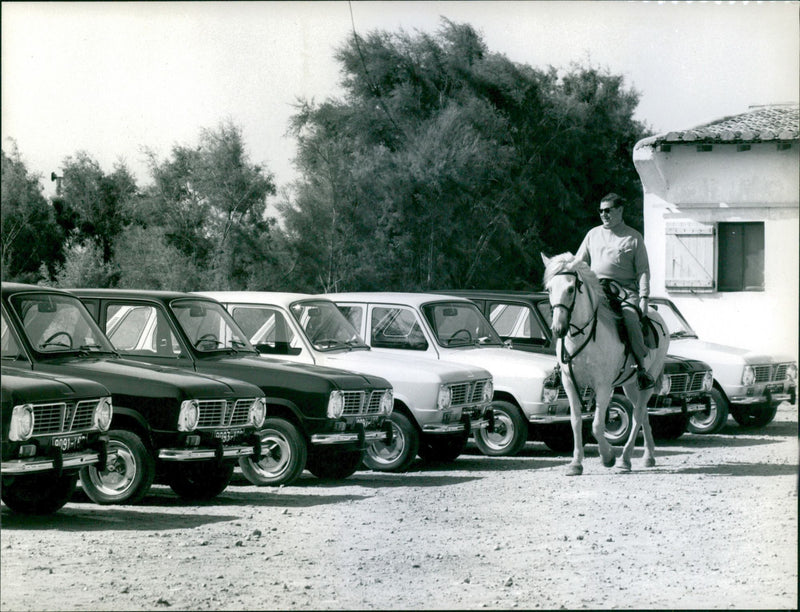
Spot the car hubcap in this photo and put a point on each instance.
(275, 455)
(705, 418)
(119, 474)
(617, 422)
(503, 432)
(384, 453)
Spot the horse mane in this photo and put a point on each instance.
(566, 262)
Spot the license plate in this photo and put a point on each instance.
(226, 435)
(696, 407)
(778, 388)
(68, 443)
(365, 421)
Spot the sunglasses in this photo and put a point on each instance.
(606, 211)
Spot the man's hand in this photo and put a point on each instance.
(644, 303)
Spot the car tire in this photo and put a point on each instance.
(558, 437)
(754, 415)
(712, 420)
(670, 426)
(334, 465)
(510, 432)
(38, 493)
(283, 455)
(199, 480)
(443, 449)
(397, 456)
(127, 477)
(619, 420)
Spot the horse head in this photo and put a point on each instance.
(565, 280)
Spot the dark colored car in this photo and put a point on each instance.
(184, 429)
(52, 427)
(320, 418)
(682, 394)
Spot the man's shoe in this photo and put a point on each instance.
(645, 380)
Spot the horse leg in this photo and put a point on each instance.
(575, 468)
(649, 442)
(637, 399)
(603, 397)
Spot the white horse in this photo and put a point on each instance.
(591, 353)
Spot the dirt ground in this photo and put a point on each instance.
(713, 525)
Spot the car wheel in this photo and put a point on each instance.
(669, 427)
(199, 480)
(443, 448)
(283, 455)
(509, 435)
(38, 493)
(619, 420)
(558, 437)
(400, 453)
(712, 420)
(334, 465)
(127, 476)
(754, 415)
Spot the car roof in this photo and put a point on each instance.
(151, 294)
(496, 293)
(389, 297)
(279, 298)
(19, 287)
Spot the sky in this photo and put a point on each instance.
(115, 78)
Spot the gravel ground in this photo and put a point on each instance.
(713, 525)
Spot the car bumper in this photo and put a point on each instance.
(679, 405)
(559, 413)
(466, 424)
(15, 467)
(200, 454)
(773, 392)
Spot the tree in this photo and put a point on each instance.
(211, 203)
(30, 236)
(446, 165)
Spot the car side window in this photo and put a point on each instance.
(141, 330)
(397, 328)
(267, 329)
(10, 347)
(354, 314)
(518, 322)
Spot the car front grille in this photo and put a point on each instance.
(686, 383)
(587, 393)
(357, 403)
(770, 372)
(63, 417)
(224, 413)
(466, 393)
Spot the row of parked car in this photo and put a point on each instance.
(123, 388)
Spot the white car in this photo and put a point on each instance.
(527, 404)
(437, 404)
(747, 384)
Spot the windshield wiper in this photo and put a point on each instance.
(683, 334)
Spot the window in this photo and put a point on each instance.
(396, 328)
(267, 329)
(741, 257)
(689, 257)
(517, 322)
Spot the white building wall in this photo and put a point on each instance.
(726, 185)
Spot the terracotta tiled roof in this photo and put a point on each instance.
(777, 122)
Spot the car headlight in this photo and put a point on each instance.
(21, 423)
(189, 415)
(258, 412)
(387, 402)
(791, 372)
(708, 381)
(663, 385)
(445, 397)
(748, 376)
(103, 413)
(488, 391)
(335, 405)
(549, 394)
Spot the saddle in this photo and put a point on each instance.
(619, 297)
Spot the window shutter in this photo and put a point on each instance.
(689, 257)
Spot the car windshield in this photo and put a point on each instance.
(676, 324)
(460, 324)
(56, 323)
(325, 326)
(209, 327)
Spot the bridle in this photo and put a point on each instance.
(575, 330)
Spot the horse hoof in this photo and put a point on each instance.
(610, 461)
(649, 462)
(625, 466)
(574, 469)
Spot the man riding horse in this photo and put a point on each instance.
(617, 255)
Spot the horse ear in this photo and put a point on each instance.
(544, 260)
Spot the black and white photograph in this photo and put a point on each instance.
(415, 305)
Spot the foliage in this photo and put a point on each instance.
(446, 165)
(30, 235)
(84, 266)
